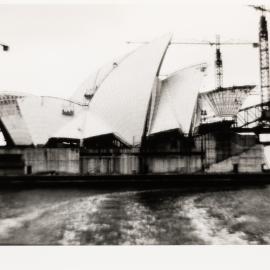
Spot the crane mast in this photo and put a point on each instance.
(264, 64)
(218, 64)
(218, 54)
(264, 60)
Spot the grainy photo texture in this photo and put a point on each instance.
(133, 124)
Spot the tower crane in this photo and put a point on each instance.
(264, 63)
(218, 58)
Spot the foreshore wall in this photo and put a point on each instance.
(129, 163)
(210, 154)
(39, 160)
(70, 161)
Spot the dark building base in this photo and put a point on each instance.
(137, 181)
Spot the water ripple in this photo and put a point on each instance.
(135, 218)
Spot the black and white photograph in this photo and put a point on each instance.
(134, 124)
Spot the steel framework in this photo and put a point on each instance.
(264, 61)
(264, 65)
(251, 119)
(218, 64)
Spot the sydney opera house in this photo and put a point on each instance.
(127, 119)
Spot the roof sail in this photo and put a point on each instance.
(13, 125)
(177, 100)
(42, 116)
(85, 125)
(90, 85)
(123, 98)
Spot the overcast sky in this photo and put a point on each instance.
(53, 48)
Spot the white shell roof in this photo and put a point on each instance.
(85, 125)
(177, 100)
(164, 118)
(120, 105)
(43, 116)
(16, 128)
(123, 98)
(33, 120)
(92, 82)
(72, 129)
(13, 93)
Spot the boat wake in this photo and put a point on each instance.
(137, 218)
(209, 229)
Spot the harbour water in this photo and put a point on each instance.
(145, 217)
